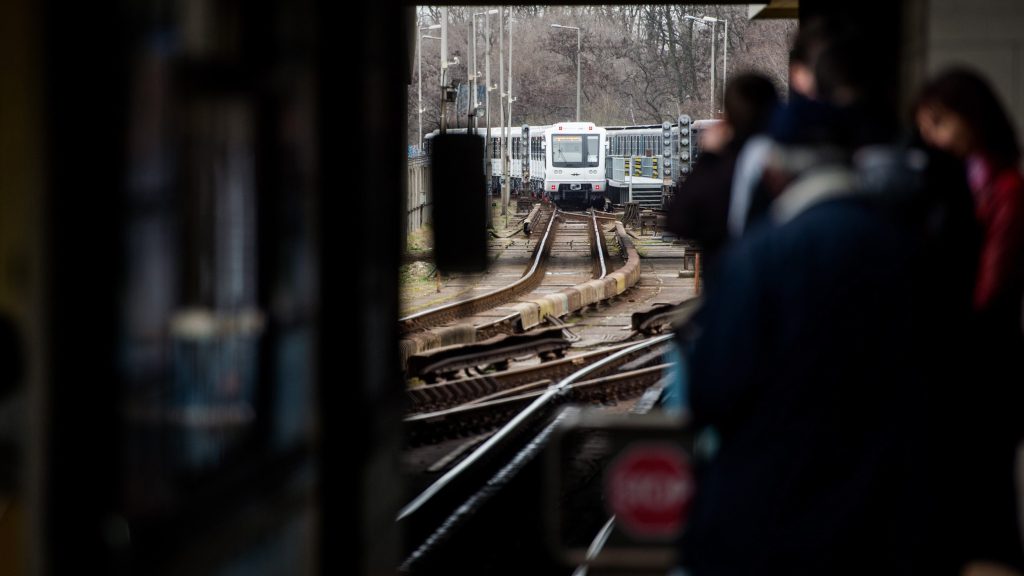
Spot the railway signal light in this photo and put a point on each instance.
(666, 147)
(684, 145)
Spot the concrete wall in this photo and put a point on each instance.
(987, 35)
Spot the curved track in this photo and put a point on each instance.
(460, 309)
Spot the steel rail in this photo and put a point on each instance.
(518, 420)
(437, 314)
(446, 394)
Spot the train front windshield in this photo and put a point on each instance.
(575, 151)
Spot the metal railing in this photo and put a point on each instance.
(622, 167)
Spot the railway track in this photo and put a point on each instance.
(491, 411)
(455, 310)
(522, 421)
(565, 236)
(559, 288)
(450, 362)
(461, 408)
(434, 397)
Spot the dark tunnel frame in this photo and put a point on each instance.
(85, 71)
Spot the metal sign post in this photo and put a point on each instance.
(629, 168)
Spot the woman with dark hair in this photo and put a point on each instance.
(958, 112)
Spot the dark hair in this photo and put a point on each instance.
(968, 95)
(750, 100)
(843, 71)
(813, 38)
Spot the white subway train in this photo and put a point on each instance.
(570, 162)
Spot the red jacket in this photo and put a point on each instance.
(999, 207)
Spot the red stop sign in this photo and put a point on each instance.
(649, 487)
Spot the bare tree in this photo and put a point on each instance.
(641, 64)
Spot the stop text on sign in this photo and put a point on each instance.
(649, 487)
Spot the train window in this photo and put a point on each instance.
(567, 150)
(593, 150)
(575, 150)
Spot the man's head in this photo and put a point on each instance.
(811, 40)
(750, 100)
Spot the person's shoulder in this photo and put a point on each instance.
(858, 223)
(838, 215)
(1009, 181)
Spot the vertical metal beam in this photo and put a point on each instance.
(444, 68)
(472, 78)
(501, 105)
(725, 62)
(713, 87)
(360, 493)
(419, 76)
(85, 46)
(578, 77)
